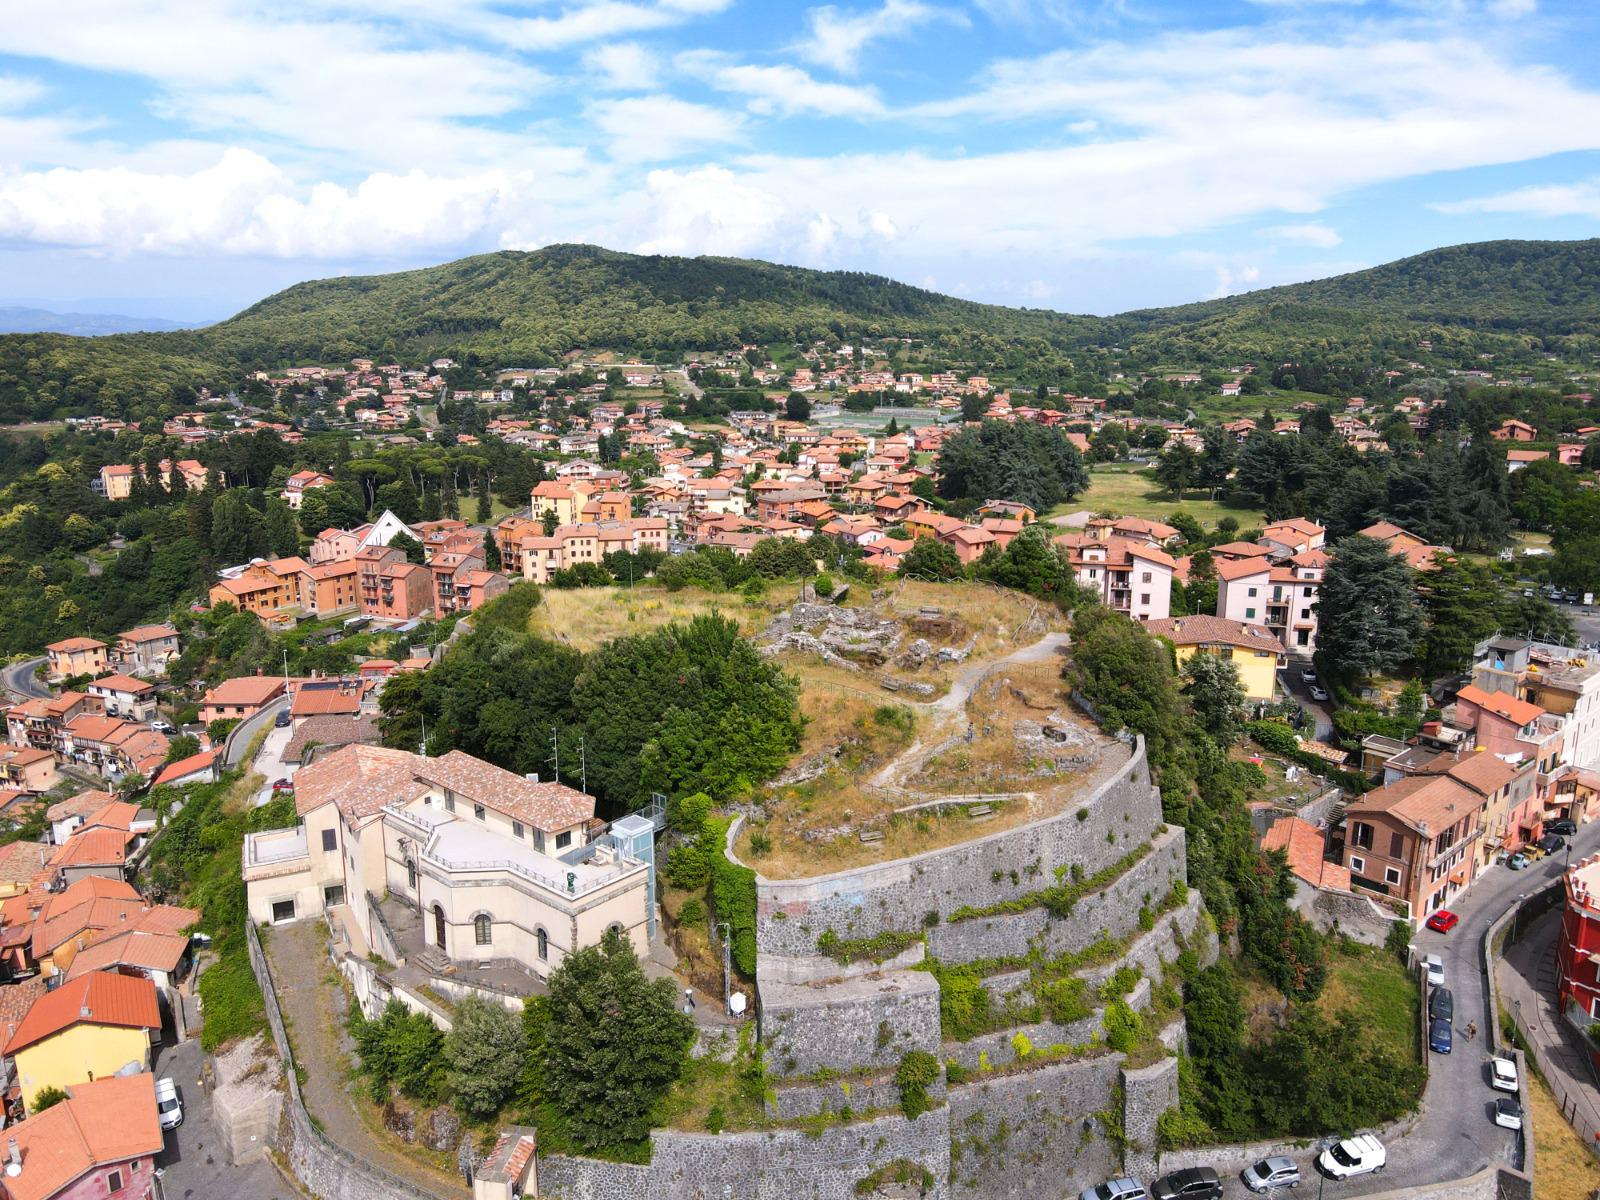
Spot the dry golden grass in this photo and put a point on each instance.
(1564, 1168)
(585, 618)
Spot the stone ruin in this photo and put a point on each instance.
(846, 637)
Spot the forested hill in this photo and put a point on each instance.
(535, 306)
(1538, 287)
(531, 308)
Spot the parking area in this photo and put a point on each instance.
(194, 1165)
(269, 763)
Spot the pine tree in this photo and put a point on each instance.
(283, 536)
(484, 511)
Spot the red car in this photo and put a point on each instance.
(1443, 921)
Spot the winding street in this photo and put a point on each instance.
(18, 680)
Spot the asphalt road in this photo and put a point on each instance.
(194, 1165)
(245, 731)
(1320, 711)
(19, 681)
(1455, 1136)
(269, 763)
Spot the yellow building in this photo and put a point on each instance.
(1254, 649)
(89, 1028)
(77, 656)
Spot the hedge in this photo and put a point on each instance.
(733, 897)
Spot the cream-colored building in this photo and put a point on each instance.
(487, 866)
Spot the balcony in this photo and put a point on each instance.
(275, 852)
(1465, 839)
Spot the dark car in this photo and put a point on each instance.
(1439, 1036)
(1562, 826)
(1441, 1005)
(281, 721)
(1550, 843)
(1191, 1183)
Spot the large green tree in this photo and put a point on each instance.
(483, 1055)
(612, 1043)
(1368, 616)
(1124, 674)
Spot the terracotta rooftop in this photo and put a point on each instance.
(1501, 704)
(99, 999)
(21, 861)
(1202, 630)
(101, 1123)
(361, 779)
(67, 645)
(330, 732)
(138, 948)
(186, 766)
(1304, 845)
(247, 689)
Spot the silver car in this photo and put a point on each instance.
(1116, 1189)
(1270, 1174)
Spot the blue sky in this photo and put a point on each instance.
(1085, 155)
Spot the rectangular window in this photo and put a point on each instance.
(282, 910)
(563, 840)
(113, 1182)
(1144, 597)
(1249, 614)
(538, 840)
(477, 811)
(1146, 578)
(1361, 835)
(330, 840)
(1391, 875)
(1397, 845)
(1357, 865)
(516, 829)
(449, 802)
(1251, 592)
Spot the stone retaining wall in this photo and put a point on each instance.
(791, 914)
(1033, 1134)
(849, 1025)
(1146, 1094)
(1114, 910)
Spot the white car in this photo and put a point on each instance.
(1503, 1074)
(1507, 1113)
(168, 1108)
(1309, 675)
(1359, 1155)
(1435, 966)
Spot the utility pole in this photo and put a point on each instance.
(727, 964)
(583, 767)
(423, 749)
(555, 752)
(286, 667)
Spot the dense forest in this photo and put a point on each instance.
(518, 308)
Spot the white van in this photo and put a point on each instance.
(168, 1107)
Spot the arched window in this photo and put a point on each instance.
(483, 928)
(411, 874)
(438, 926)
(542, 939)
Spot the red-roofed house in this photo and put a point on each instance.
(76, 656)
(86, 1029)
(100, 1143)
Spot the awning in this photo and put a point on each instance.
(1459, 876)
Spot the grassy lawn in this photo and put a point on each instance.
(1131, 492)
(588, 617)
(1372, 984)
(1566, 1169)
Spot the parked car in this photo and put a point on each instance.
(282, 720)
(1439, 1036)
(161, 726)
(1116, 1189)
(1318, 692)
(1443, 921)
(1507, 1113)
(283, 785)
(1435, 966)
(169, 1109)
(1503, 1074)
(1359, 1155)
(1441, 1005)
(1551, 843)
(1563, 826)
(1518, 861)
(1191, 1183)
(1270, 1174)
(1309, 675)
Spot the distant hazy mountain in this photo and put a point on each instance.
(39, 320)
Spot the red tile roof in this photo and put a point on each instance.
(1501, 704)
(101, 1123)
(126, 1001)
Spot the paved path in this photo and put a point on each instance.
(314, 1011)
(1527, 979)
(19, 681)
(194, 1164)
(269, 762)
(240, 736)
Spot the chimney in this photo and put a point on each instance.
(13, 1158)
(84, 1012)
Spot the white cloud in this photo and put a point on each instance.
(782, 89)
(624, 66)
(658, 127)
(1311, 233)
(1230, 280)
(1580, 199)
(18, 91)
(837, 37)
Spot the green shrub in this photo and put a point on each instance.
(693, 912)
(733, 897)
(1124, 1027)
(918, 1071)
(878, 948)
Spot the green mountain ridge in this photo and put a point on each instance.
(532, 308)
